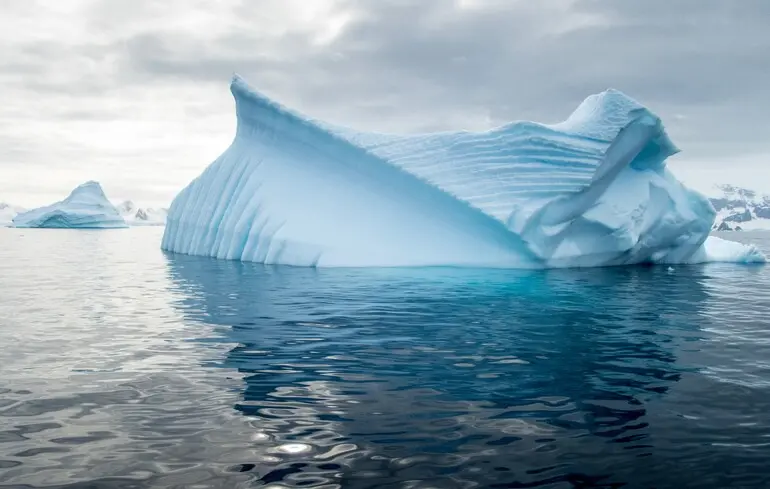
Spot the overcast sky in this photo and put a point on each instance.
(134, 93)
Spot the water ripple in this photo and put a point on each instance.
(125, 368)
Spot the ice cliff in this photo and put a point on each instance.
(86, 207)
(590, 191)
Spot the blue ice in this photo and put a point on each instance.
(593, 190)
(85, 207)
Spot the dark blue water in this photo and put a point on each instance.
(122, 367)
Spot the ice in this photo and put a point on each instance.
(721, 250)
(86, 207)
(7, 213)
(141, 216)
(593, 190)
(739, 209)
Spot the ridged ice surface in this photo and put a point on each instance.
(590, 191)
(85, 207)
(498, 170)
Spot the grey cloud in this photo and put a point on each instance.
(152, 56)
(416, 64)
(431, 58)
(54, 67)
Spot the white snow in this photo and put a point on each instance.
(740, 207)
(756, 224)
(85, 207)
(721, 250)
(7, 213)
(141, 216)
(591, 191)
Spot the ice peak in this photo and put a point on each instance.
(245, 93)
(253, 108)
(88, 192)
(93, 184)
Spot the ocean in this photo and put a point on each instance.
(125, 367)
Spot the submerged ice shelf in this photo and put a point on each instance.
(593, 190)
(85, 207)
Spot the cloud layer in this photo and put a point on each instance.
(134, 92)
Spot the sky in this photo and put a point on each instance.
(134, 93)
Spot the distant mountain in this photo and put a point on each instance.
(142, 216)
(8, 212)
(739, 209)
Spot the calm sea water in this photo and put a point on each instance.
(122, 367)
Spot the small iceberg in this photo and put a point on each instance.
(85, 208)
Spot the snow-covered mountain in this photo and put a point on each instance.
(8, 212)
(739, 209)
(142, 216)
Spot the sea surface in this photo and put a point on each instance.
(124, 367)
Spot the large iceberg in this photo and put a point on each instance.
(86, 207)
(593, 190)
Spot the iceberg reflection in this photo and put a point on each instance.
(456, 367)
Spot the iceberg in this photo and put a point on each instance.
(593, 190)
(85, 207)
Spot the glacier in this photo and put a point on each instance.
(593, 190)
(86, 207)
